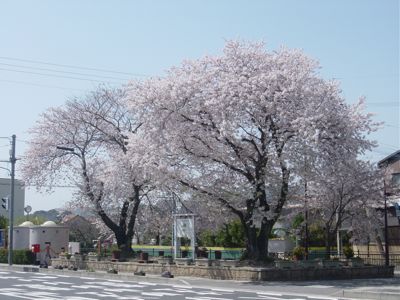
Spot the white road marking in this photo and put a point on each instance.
(158, 294)
(25, 280)
(44, 277)
(185, 282)
(111, 280)
(261, 297)
(269, 294)
(43, 287)
(182, 287)
(206, 298)
(147, 283)
(79, 298)
(57, 282)
(223, 290)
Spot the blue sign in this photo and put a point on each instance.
(397, 208)
(1, 238)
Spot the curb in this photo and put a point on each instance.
(340, 295)
(371, 295)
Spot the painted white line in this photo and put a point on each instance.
(182, 287)
(147, 283)
(63, 276)
(111, 280)
(207, 298)
(321, 297)
(222, 290)
(269, 294)
(185, 282)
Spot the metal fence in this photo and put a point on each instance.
(182, 252)
(368, 258)
(379, 260)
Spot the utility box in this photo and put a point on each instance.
(74, 247)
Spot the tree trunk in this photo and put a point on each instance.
(257, 242)
(124, 243)
(327, 243)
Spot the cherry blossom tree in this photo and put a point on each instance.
(93, 135)
(345, 191)
(233, 127)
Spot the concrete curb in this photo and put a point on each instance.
(340, 294)
(371, 295)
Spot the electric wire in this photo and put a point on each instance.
(60, 76)
(65, 72)
(71, 66)
(42, 85)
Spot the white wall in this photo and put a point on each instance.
(19, 196)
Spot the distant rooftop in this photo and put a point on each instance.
(390, 159)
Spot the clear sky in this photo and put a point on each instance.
(355, 41)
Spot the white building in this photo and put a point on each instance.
(19, 196)
(50, 238)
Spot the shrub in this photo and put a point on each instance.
(20, 257)
(348, 252)
(299, 252)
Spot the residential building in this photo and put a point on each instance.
(19, 196)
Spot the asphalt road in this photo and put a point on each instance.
(50, 286)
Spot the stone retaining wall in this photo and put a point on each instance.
(237, 273)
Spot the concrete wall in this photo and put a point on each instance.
(234, 273)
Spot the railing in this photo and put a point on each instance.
(368, 258)
(379, 260)
(168, 251)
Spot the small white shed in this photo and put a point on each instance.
(21, 235)
(50, 233)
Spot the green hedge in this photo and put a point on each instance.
(20, 257)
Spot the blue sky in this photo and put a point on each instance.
(355, 41)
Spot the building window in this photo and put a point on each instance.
(396, 179)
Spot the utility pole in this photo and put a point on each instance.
(386, 226)
(11, 210)
(306, 220)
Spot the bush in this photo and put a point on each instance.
(348, 252)
(20, 257)
(299, 252)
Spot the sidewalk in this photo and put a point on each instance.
(380, 289)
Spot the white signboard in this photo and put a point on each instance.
(184, 228)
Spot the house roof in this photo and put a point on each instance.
(390, 158)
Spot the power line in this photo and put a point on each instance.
(71, 66)
(59, 76)
(65, 72)
(40, 85)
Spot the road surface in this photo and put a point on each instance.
(49, 286)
